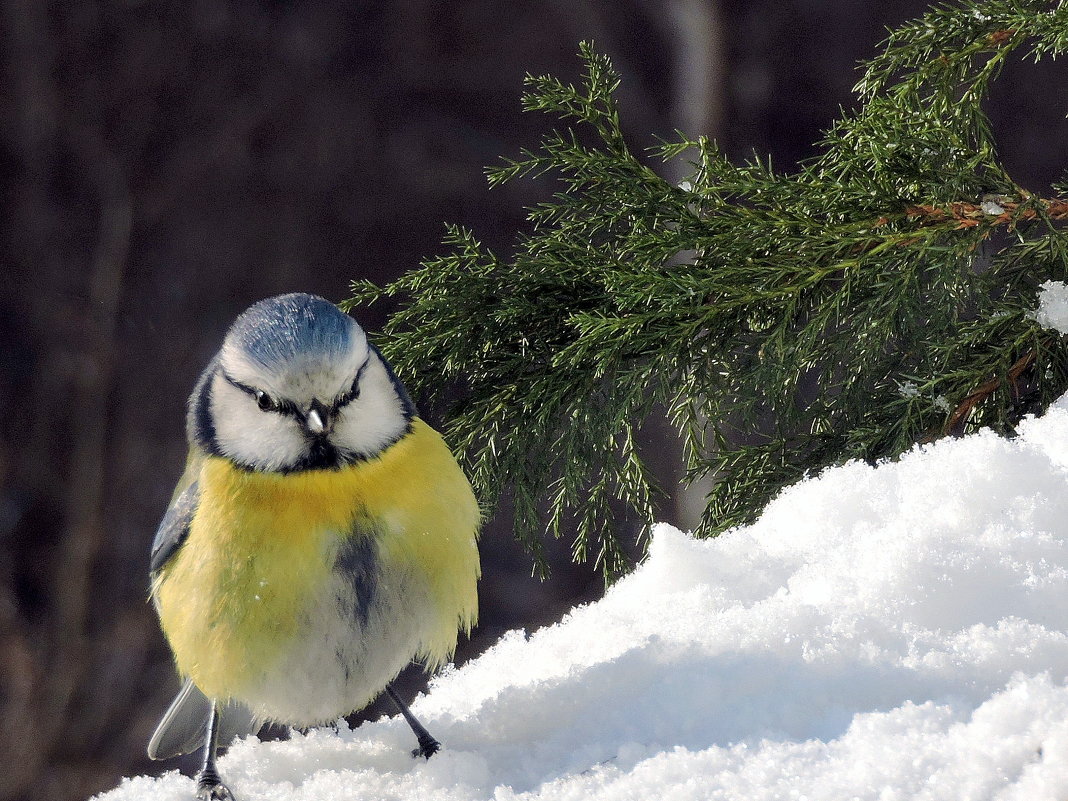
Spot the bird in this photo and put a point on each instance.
(321, 538)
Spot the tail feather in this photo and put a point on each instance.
(184, 725)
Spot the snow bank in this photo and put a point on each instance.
(1052, 309)
(890, 633)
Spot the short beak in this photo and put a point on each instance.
(315, 422)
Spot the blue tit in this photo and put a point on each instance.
(321, 538)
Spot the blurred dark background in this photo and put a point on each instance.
(164, 164)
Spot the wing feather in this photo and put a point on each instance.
(184, 725)
(174, 527)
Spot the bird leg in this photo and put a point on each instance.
(209, 785)
(428, 746)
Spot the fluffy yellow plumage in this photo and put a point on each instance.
(260, 544)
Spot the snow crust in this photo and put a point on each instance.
(898, 632)
(1052, 309)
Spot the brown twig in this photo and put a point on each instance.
(969, 215)
(985, 390)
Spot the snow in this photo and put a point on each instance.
(908, 389)
(896, 632)
(1052, 309)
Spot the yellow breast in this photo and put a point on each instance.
(261, 544)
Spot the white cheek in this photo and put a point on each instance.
(245, 433)
(375, 419)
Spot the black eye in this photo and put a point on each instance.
(349, 396)
(265, 401)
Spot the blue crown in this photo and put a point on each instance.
(279, 329)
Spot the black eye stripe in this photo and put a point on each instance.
(346, 397)
(354, 390)
(272, 404)
(234, 382)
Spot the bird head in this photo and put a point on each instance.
(297, 386)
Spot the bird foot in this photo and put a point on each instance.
(428, 746)
(211, 788)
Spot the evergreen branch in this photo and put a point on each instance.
(786, 321)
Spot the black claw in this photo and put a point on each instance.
(211, 788)
(219, 792)
(427, 748)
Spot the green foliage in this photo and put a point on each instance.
(877, 297)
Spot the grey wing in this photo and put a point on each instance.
(184, 725)
(174, 527)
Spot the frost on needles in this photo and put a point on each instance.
(879, 296)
